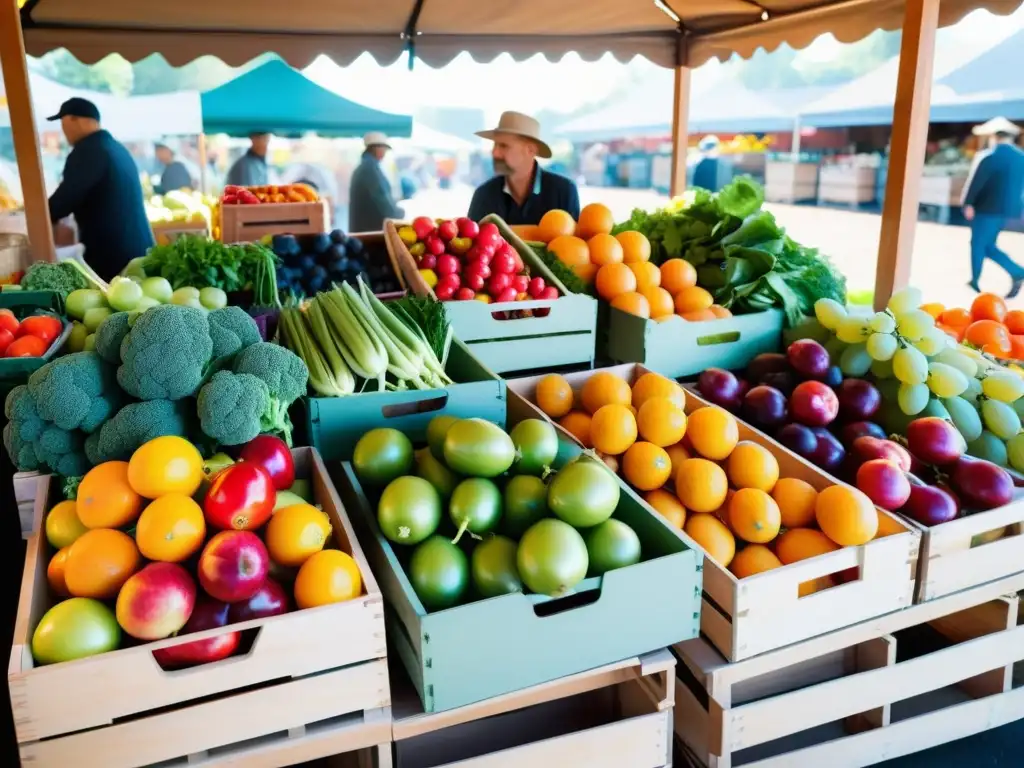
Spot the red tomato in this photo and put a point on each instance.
(241, 497)
(273, 454)
(8, 321)
(26, 346)
(6, 337)
(45, 327)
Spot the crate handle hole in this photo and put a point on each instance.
(246, 642)
(828, 581)
(991, 537)
(505, 315)
(728, 337)
(567, 603)
(419, 406)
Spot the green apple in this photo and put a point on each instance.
(186, 297)
(90, 343)
(81, 301)
(95, 316)
(213, 298)
(76, 339)
(157, 288)
(124, 294)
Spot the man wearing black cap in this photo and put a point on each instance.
(101, 188)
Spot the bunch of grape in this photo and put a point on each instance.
(927, 373)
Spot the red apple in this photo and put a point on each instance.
(423, 226)
(270, 600)
(208, 614)
(867, 448)
(233, 566)
(447, 230)
(157, 601)
(241, 496)
(467, 228)
(274, 455)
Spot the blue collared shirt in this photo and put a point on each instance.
(550, 191)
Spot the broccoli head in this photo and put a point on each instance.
(232, 407)
(76, 391)
(92, 449)
(63, 451)
(136, 424)
(231, 330)
(21, 451)
(109, 336)
(165, 354)
(285, 375)
(20, 410)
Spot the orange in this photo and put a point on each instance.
(168, 464)
(754, 516)
(985, 332)
(659, 300)
(1014, 321)
(802, 543)
(655, 385)
(678, 454)
(106, 498)
(1017, 346)
(613, 279)
(555, 223)
(577, 424)
(171, 529)
(753, 559)
(934, 309)
(100, 562)
(677, 274)
(956, 333)
(329, 576)
(635, 246)
(571, 251)
(554, 396)
(646, 466)
(646, 274)
(613, 429)
(722, 513)
(585, 272)
(668, 506)
(796, 499)
(595, 219)
(815, 585)
(988, 306)
(660, 421)
(699, 316)
(752, 466)
(693, 299)
(713, 432)
(296, 533)
(719, 311)
(55, 573)
(63, 525)
(701, 485)
(888, 526)
(632, 303)
(956, 318)
(604, 388)
(713, 537)
(604, 249)
(846, 515)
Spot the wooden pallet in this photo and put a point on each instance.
(121, 710)
(616, 716)
(852, 698)
(246, 223)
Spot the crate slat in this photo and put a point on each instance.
(246, 223)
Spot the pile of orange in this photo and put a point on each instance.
(989, 325)
(726, 494)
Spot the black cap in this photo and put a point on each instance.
(77, 107)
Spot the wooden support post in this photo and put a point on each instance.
(680, 134)
(906, 149)
(202, 163)
(23, 129)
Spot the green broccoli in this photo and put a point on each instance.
(232, 407)
(138, 423)
(231, 330)
(63, 451)
(21, 451)
(77, 391)
(61, 277)
(109, 336)
(165, 354)
(286, 377)
(92, 449)
(20, 410)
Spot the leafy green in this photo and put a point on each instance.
(427, 314)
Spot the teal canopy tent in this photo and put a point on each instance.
(278, 99)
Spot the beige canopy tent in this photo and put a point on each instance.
(681, 34)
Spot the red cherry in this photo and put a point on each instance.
(520, 283)
(536, 287)
(499, 282)
(464, 294)
(509, 294)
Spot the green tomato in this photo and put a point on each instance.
(478, 448)
(611, 545)
(146, 302)
(584, 493)
(186, 297)
(475, 506)
(536, 445)
(81, 301)
(437, 430)
(494, 567)
(157, 288)
(90, 343)
(94, 317)
(74, 629)
(552, 558)
(526, 502)
(381, 455)
(124, 294)
(436, 473)
(409, 510)
(76, 339)
(439, 572)
(213, 298)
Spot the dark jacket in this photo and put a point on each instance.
(996, 182)
(369, 197)
(550, 191)
(174, 176)
(101, 188)
(250, 170)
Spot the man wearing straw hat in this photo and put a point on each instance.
(521, 192)
(992, 195)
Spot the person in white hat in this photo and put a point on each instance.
(369, 199)
(992, 195)
(521, 192)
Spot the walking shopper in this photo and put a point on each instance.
(369, 199)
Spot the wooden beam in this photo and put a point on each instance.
(906, 149)
(680, 132)
(23, 129)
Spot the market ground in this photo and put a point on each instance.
(941, 265)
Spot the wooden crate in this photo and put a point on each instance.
(787, 182)
(165, 232)
(862, 694)
(746, 617)
(616, 716)
(941, 190)
(121, 710)
(846, 184)
(246, 223)
(30, 494)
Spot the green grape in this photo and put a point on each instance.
(953, 356)
(889, 388)
(1000, 419)
(915, 324)
(945, 380)
(855, 361)
(882, 346)
(965, 417)
(852, 330)
(913, 398)
(905, 300)
(882, 322)
(936, 409)
(829, 313)
(882, 369)
(1015, 452)
(910, 366)
(1018, 406)
(835, 348)
(1007, 387)
(933, 342)
(973, 392)
(990, 448)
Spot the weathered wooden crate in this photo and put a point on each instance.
(302, 675)
(245, 223)
(846, 184)
(615, 716)
(941, 189)
(746, 617)
(897, 684)
(165, 232)
(30, 494)
(787, 182)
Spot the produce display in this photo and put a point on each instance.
(181, 207)
(726, 494)
(31, 336)
(268, 193)
(153, 547)
(311, 263)
(62, 277)
(478, 511)
(989, 325)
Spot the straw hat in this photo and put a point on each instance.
(996, 125)
(375, 139)
(518, 124)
